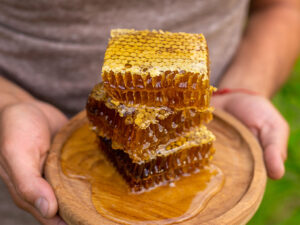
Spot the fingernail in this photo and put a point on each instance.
(42, 205)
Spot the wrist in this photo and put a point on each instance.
(223, 97)
(225, 91)
(259, 86)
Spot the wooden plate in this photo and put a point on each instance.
(238, 155)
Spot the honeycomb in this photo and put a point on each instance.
(141, 143)
(157, 68)
(187, 159)
(149, 112)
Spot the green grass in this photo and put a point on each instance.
(281, 202)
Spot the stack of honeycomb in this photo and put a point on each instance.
(150, 110)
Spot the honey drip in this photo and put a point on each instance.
(112, 198)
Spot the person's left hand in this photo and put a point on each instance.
(265, 122)
(26, 129)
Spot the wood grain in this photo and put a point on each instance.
(238, 155)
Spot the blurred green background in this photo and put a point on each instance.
(281, 202)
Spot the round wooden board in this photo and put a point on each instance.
(238, 154)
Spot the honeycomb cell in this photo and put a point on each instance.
(141, 133)
(187, 159)
(157, 68)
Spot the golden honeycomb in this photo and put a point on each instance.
(186, 158)
(157, 68)
(150, 110)
(128, 131)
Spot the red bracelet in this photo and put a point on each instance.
(236, 90)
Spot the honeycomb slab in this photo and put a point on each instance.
(140, 137)
(187, 156)
(157, 68)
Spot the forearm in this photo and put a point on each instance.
(268, 49)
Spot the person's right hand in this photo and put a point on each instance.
(25, 136)
(264, 121)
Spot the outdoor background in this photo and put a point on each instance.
(281, 202)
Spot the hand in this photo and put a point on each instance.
(265, 122)
(25, 137)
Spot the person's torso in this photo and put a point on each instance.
(54, 49)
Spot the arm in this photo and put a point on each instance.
(26, 127)
(262, 63)
(269, 47)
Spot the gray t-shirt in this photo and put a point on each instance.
(54, 49)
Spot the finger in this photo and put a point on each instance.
(56, 220)
(274, 138)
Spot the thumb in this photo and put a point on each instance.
(32, 188)
(274, 138)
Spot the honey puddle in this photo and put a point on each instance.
(112, 198)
